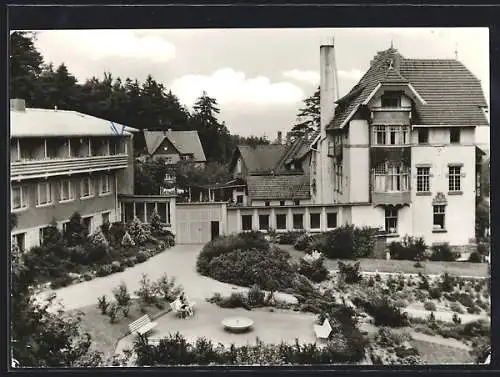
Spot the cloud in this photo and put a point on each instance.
(352, 74)
(230, 87)
(99, 44)
(308, 76)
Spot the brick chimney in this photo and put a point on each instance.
(17, 104)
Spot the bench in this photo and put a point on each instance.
(142, 325)
(177, 308)
(323, 331)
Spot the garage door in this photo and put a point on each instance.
(194, 225)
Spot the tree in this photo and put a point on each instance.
(190, 175)
(76, 232)
(41, 334)
(214, 136)
(309, 116)
(25, 67)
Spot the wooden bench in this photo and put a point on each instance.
(177, 308)
(323, 331)
(142, 325)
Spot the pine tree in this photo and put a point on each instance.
(308, 116)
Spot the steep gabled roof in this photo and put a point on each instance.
(452, 94)
(260, 159)
(278, 187)
(296, 151)
(184, 141)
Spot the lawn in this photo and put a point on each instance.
(404, 266)
(432, 353)
(105, 334)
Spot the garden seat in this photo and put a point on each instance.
(177, 308)
(323, 331)
(142, 325)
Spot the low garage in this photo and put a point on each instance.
(199, 222)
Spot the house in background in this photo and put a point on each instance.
(175, 146)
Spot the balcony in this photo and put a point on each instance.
(21, 170)
(391, 198)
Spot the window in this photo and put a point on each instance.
(337, 169)
(86, 190)
(454, 135)
(246, 222)
(19, 240)
(282, 203)
(331, 220)
(104, 185)
(296, 202)
(439, 214)
(393, 135)
(66, 192)
(391, 220)
(266, 203)
(105, 217)
(391, 99)
(239, 199)
(423, 179)
(298, 221)
(390, 176)
(65, 227)
(44, 193)
(43, 233)
(454, 175)
(423, 136)
(315, 221)
(379, 135)
(281, 221)
(87, 222)
(263, 222)
(18, 199)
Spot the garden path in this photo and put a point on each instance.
(178, 262)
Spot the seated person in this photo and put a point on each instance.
(184, 303)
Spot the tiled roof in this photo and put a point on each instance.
(184, 141)
(453, 95)
(261, 158)
(278, 187)
(298, 149)
(47, 122)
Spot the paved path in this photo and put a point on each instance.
(178, 262)
(445, 316)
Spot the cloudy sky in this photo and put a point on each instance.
(258, 76)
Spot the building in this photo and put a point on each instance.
(63, 162)
(175, 146)
(398, 152)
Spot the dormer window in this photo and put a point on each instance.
(391, 99)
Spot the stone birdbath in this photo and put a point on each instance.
(237, 324)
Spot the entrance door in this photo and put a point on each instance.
(215, 229)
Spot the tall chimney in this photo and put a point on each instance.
(279, 140)
(17, 104)
(328, 86)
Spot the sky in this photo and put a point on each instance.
(258, 76)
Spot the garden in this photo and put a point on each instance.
(373, 317)
(73, 256)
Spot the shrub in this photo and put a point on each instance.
(255, 296)
(430, 306)
(465, 299)
(87, 276)
(435, 293)
(62, 281)
(319, 242)
(98, 239)
(146, 291)
(475, 257)
(155, 222)
(235, 300)
(348, 242)
(447, 283)
(103, 304)
(385, 313)
(140, 232)
(168, 288)
(104, 270)
(117, 267)
(116, 233)
(142, 256)
(302, 242)
(456, 319)
(410, 248)
(127, 240)
(76, 232)
(476, 328)
(349, 273)
(312, 266)
(456, 307)
(418, 265)
(52, 235)
(443, 252)
(473, 309)
(270, 269)
(289, 237)
(122, 296)
(112, 312)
